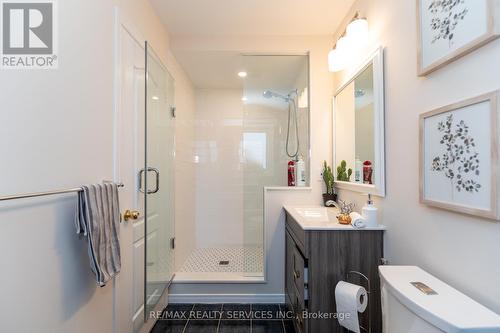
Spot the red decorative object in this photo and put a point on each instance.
(367, 172)
(291, 173)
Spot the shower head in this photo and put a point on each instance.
(268, 94)
(359, 93)
(271, 94)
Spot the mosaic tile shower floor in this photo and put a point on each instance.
(240, 259)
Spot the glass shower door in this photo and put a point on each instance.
(158, 180)
(275, 119)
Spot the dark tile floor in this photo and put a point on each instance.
(224, 318)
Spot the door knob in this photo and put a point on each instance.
(131, 214)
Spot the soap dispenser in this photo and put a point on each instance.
(369, 213)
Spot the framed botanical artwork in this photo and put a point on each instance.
(459, 157)
(450, 29)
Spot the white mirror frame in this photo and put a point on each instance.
(378, 189)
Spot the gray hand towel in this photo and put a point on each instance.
(98, 218)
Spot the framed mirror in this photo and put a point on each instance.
(358, 129)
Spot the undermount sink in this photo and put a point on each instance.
(318, 214)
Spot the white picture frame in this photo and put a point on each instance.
(442, 40)
(459, 157)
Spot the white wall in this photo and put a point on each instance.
(57, 133)
(219, 175)
(459, 249)
(49, 141)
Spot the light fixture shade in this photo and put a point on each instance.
(354, 39)
(358, 31)
(344, 44)
(336, 60)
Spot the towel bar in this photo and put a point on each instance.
(41, 194)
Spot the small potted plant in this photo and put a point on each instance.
(330, 197)
(343, 174)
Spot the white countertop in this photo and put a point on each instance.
(320, 218)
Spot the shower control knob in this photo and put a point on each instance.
(131, 214)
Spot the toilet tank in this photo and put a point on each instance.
(413, 301)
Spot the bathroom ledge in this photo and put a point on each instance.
(312, 217)
(216, 277)
(287, 188)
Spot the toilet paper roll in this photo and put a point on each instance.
(357, 220)
(350, 300)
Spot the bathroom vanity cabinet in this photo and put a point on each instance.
(317, 259)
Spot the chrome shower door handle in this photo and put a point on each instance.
(157, 187)
(142, 174)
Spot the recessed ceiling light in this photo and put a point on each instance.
(244, 99)
(156, 98)
(242, 74)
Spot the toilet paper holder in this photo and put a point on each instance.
(368, 292)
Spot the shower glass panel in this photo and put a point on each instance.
(240, 137)
(158, 180)
(275, 131)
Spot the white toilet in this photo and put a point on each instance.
(413, 301)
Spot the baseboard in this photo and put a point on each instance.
(226, 298)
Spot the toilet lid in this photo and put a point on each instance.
(447, 308)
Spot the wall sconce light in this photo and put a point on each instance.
(358, 30)
(336, 60)
(355, 36)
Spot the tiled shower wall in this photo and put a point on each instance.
(229, 176)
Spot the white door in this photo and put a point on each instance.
(129, 160)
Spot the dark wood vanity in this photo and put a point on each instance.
(316, 260)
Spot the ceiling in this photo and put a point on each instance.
(251, 17)
(219, 69)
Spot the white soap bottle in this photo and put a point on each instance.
(369, 212)
(300, 172)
